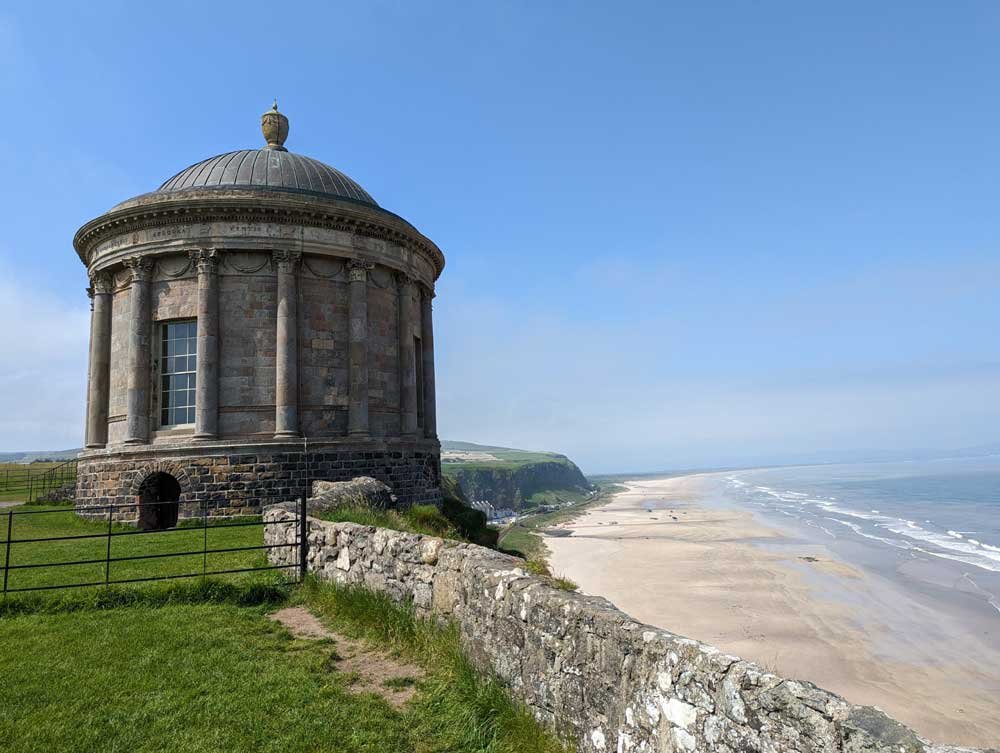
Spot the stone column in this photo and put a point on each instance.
(357, 416)
(286, 390)
(427, 346)
(100, 360)
(407, 359)
(137, 426)
(206, 412)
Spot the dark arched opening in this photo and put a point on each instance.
(159, 495)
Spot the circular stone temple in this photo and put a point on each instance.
(258, 321)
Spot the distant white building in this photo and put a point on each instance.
(492, 513)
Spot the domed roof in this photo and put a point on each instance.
(272, 167)
(268, 168)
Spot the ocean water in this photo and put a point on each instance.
(933, 524)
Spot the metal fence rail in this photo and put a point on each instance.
(299, 566)
(34, 482)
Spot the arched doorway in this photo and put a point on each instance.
(159, 495)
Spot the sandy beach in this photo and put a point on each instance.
(719, 576)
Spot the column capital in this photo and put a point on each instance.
(357, 270)
(101, 283)
(428, 293)
(141, 268)
(205, 260)
(286, 261)
(403, 279)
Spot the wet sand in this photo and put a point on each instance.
(719, 576)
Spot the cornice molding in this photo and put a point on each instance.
(361, 221)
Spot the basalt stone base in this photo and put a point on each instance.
(226, 479)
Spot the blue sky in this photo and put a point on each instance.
(677, 234)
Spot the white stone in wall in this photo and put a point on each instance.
(344, 559)
(680, 713)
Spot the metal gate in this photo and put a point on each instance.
(11, 565)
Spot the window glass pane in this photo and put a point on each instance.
(177, 379)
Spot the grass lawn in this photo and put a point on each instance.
(14, 479)
(423, 519)
(194, 668)
(507, 460)
(179, 678)
(196, 665)
(62, 521)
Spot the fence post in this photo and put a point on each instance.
(204, 541)
(303, 538)
(6, 556)
(107, 559)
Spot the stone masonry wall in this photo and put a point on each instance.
(584, 668)
(247, 325)
(323, 372)
(242, 480)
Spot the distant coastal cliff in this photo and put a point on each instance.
(508, 478)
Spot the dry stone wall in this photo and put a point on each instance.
(583, 667)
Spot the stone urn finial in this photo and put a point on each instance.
(275, 128)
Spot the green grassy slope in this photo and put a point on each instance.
(507, 477)
(196, 665)
(214, 675)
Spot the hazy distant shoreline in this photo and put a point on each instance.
(668, 554)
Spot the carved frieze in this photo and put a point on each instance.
(122, 278)
(383, 277)
(246, 262)
(324, 268)
(158, 225)
(173, 266)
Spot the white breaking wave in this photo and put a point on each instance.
(960, 549)
(953, 545)
(858, 530)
